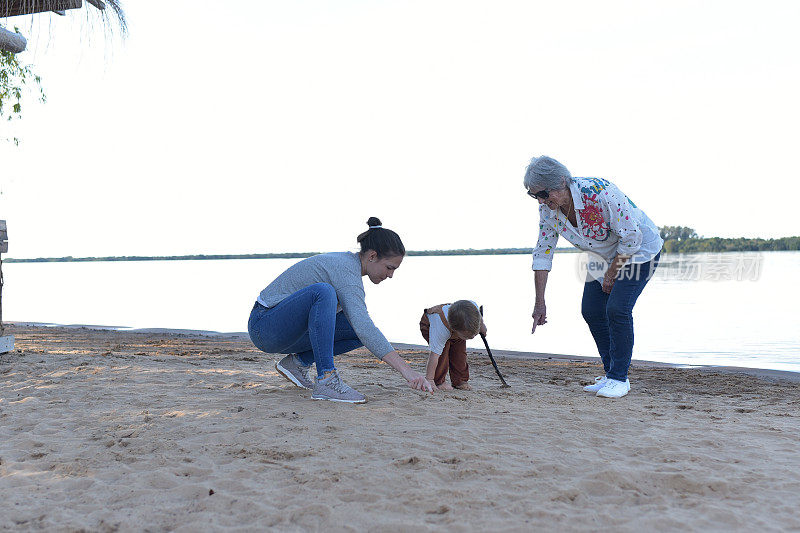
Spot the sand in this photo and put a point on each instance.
(130, 431)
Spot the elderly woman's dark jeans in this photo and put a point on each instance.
(610, 316)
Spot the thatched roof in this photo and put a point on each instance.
(15, 43)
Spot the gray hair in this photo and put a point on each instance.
(545, 173)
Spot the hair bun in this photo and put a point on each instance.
(379, 239)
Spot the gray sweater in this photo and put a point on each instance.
(342, 270)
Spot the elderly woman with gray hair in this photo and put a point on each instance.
(595, 216)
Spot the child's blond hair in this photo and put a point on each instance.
(464, 317)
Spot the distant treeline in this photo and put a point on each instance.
(485, 251)
(677, 240)
(684, 240)
(287, 255)
(69, 258)
(741, 244)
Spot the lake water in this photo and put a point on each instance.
(710, 309)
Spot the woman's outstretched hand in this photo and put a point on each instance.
(420, 382)
(415, 380)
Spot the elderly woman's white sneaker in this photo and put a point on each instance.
(599, 383)
(614, 388)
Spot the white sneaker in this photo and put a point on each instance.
(599, 383)
(615, 388)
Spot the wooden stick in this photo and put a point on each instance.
(493, 362)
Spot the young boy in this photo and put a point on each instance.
(446, 328)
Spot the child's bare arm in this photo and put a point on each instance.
(430, 370)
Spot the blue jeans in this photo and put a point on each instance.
(610, 316)
(305, 323)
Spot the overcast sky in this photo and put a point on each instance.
(266, 126)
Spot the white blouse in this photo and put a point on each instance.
(608, 224)
(438, 332)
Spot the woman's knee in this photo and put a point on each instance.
(618, 312)
(592, 312)
(324, 292)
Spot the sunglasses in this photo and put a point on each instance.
(543, 194)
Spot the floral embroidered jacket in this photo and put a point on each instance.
(608, 224)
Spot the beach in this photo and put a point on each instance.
(104, 430)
